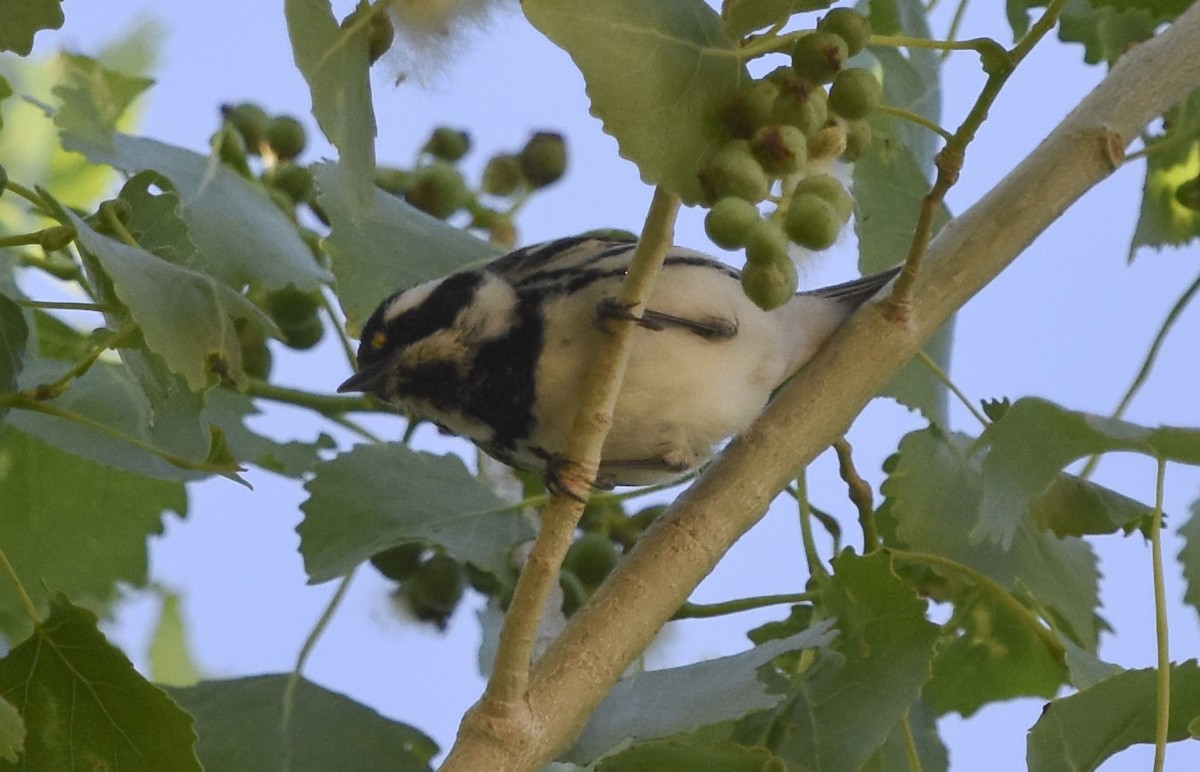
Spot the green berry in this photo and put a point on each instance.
(829, 142)
(749, 108)
(435, 588)
(858, 140)
(812, 222)
(380, 32)
(770, 284)
(3, 179)
(438, 190)
(251, 122)
(448, 144)
(1188, 194)
(574, 593)
(305, 336)
(850, 25)
(819, 56)
(781, 149)
(591, 557)
(393, 180)
(729, 220)
(766, 243)
(256, 355)
(502, 175)
(55, 237)
(291, 308)
(118, 207)
(801, 103)
(286, 136)
(295, 180)
(543, 160)
(399, 562)
(231, 148)
(832, 190)
(855, 93)
(733, 171)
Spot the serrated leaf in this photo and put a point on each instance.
(12, 733)
(387, 246)
(13, 334)
(658, 75)
(1036, 439)
(1189, 556)
(686, 753)
(335, 63)
(171, 660)
(94, 98)
(1085, 668)
(1072, 506)
(19, 22)
(83, 537)
(994, 657)
(379, 496)
(846, 705)
(241, 727)
(1081, 731)
(742, 17)
(1105, 33)
(933, 486)
(659, 703)
(154, 219)
(228, 409)
(186, 317)
(1163, 220)
(86, 707)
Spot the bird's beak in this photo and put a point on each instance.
(369, 380)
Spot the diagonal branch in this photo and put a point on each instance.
(654, 580)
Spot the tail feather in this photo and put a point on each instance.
(857, 291)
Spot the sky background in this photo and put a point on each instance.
(1069, 321)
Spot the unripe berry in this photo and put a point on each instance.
(55, 237)
(448, 144)
(781, 149)
(502, 175)
(832, 190)
(591, 557)
(855, 93)
(729, 220)
(770, 284)
(295, 180)
(3, 179)
(393, 180)
(750, 108)
(286, 136)
(732, 171)
(231, 148)
(399, 562)
(291, 308)
(829, 142)
(256, 356)
(251, 121)
(812, 222)
(766, 243)
(543, 160)
(439, 190)
(858, 140)
(573, 592)
(801, 102)
(848, 24)
(1188, 194)
(305, 336)
(819, 56)
(380, 32)
(434, 589)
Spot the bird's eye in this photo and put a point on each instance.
(378, 340)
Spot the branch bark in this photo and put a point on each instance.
(653, 581)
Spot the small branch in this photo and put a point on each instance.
(325, 404)
(1163, 704)
(56, 305)
(860, 494)
(708, 610)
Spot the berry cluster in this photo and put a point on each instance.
(436, 185)
(788, 130)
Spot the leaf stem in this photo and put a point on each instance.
(62, 305)
(1163, 705)
(945, 379)
(985, 46)
(860, 494)
(910, 742)
(26, 601)
(29, 196)
(310, 643)
(325, 404)
(343, 336)
(920, 120)
(50, 390)
(708, 610)
(811, 555)
(994, 589)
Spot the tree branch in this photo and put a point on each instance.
(653, 581)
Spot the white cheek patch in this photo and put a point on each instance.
(491, 312)
(441, 346)
(410, 299)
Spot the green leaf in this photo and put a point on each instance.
(94, 98)
(1105, 33)
(242, 728)
(186, 317)
(848, 703)
(6, 91)
(1164, 221)
(379, 496)
(229, 410)
(1189, 556)
(171, 660)
(12, 733)
(894, 754)
(658, 75)
(1035, 439)
(19, 22)
(335, 63)
(86, 707)
(659, 703)
(1162, 10)
(154, 220)
(387, 245)
(1085, 668)
(1081, 731)
(81, 538)
(687, 753)
(13, 333)
(993, 657)
(1072, 506)
(745, 16)
(932, 489)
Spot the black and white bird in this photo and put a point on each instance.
(498, 354)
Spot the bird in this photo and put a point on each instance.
(498, 354)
